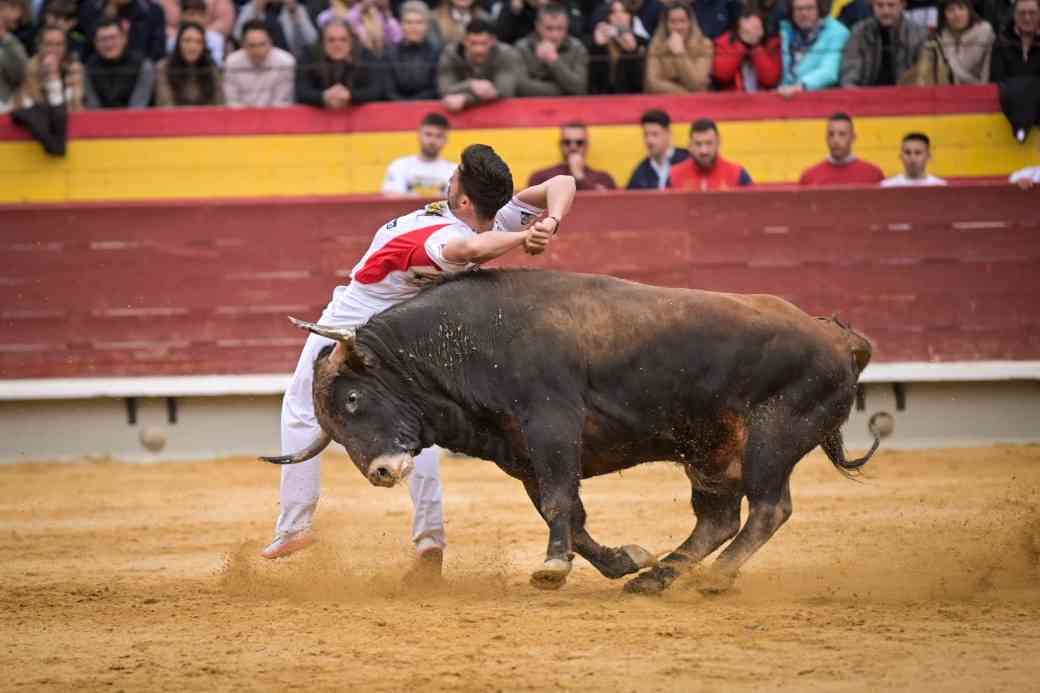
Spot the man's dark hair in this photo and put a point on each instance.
(574, 124)
(485, 179)
(104, 24)
(553, 9)
(704, 125)
(255, 25)
(656, 116)
(66, 9)
(479, 26)
(435, 120)
(917, 137)
(840, 115)
(193, 5)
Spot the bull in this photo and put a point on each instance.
(558, 377)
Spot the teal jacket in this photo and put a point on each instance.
(821, 66)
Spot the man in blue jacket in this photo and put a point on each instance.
(812, 45)
(653, 172)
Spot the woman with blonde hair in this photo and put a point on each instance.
(680, 55)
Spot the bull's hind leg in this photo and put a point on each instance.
(718, 521)
(612, 563)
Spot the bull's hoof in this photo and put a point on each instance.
(653, 581)
(551, 575)
(715, 582)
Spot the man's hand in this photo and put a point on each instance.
(51, 69)
(627, 41)
(454, 102)
(483, 89)
(546, 52)
(576, 163)
(676, 44)
(790, 90)
(336, 96)
(1025, 183)
(536, 241)
(424, 276)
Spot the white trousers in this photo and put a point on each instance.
(301, 483)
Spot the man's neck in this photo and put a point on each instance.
(920, 176)
(844, 161)
(663, 157)
(423, 156)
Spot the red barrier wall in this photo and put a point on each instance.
(196, 288)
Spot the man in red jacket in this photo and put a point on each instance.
(705, 169)
(841, 167)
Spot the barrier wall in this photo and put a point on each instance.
(171, 288)
(219, 153)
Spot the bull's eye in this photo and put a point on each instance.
(352, 401)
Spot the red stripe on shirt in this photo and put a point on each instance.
(404, 251)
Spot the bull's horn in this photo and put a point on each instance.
(340, 334)
(315, 448)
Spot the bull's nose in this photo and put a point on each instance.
(381, 476)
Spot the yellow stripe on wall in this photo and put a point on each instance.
(334, 164)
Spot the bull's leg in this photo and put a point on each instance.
(718, 521)
(611, 562)
(767, 512)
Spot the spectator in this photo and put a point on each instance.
(190, 76)
(259, 74)
(345, 74)
(53, 88)
(217, 16)
(654, 171)
(425, 174)
(117, 77)
(915, 153)
(374, 25)
(679, 58)
(645, 15)
(966, 41)
(617, 52)
(54, 75)
(774, 11)
(17, 15)
(714, 17)
(142, 21)
(998, 13)
(746, 59)
(61, 14)
(289, 27)
(478, 69)
(451, 18)
(855, 12)
(882, 48)
(811, 44)
(1027, 178)
(13, 62)
(194, 11)
(516, 19)
(413, 62)
(574, 148)
(705, 169)
(841, 167)
(322, 11)
(556, 64)
(1015, 66)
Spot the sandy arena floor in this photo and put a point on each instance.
(136, 577)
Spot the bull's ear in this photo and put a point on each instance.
(347, 352)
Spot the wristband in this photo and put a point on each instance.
(557, 223)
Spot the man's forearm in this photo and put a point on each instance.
(484, 247)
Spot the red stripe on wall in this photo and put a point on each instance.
(522, 113)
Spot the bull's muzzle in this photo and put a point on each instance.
(389, 470)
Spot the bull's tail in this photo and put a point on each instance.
(834, 446)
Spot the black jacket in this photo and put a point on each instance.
(413, 71)
(147, 20)
(645, 177)
(365, 76)
(1007, 61)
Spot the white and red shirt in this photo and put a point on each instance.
(380, 278)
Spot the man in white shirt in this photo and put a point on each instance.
(425, 174)
(259, 75)
(480, 220)
(915, 153)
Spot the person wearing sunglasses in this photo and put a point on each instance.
(574, 149)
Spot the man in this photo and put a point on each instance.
(705, 169)
(288, 25)
(841, 167)
(425, 174)
(915, 153)
(340, 75)
(117, 77)
(810, 48)
(1015, 67)
(574, 148)
(653, 172)
(478, 69)
(556, 64)
(882, 47)
(143, 22)
(259, 75)
(480, 221)
(517, 18)
(13, 62)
